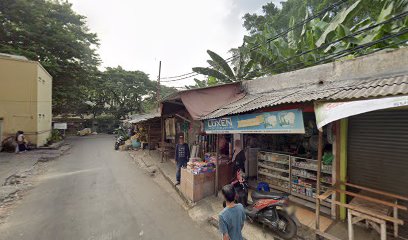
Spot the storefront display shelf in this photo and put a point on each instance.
(323, 188)
(282, 189)
(278, 162)
(273, 176)
(311, 199)
(273, 168)
(310, 169)
(314, 179)
(310, 164)
(274, 157)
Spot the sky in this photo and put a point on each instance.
(137, 34)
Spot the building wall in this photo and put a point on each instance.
(44, 105)
(18, 99)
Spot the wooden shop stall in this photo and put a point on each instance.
(281, 150)
(147, 130)
(209, 167)
(210, 154)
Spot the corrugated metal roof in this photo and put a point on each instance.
(143, 117)
(335, 90)
(177, 95)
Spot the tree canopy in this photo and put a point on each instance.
(306, 33)
(51, 33)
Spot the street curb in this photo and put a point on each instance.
(168, 179)
(188, 202)
(54, 146)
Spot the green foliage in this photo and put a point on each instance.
(105, 124)
(150, 104)
(338, 22)
(125, 90)
(54, 137)
(222, 65)
(211, 81)
(221, 72)
(323, 37)
(53, 34)
(213, 73)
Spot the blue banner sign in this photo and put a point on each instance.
(279, 122)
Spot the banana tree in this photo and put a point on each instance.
(330, 36)
(222, 71)
(210, 81)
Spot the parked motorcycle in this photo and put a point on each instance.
(119, 141)
(121, 137)
(267, 208)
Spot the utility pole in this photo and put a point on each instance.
(158, 87)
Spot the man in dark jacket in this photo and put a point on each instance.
(182, 156)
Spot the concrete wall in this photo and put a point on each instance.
(19, 106)
(380, 64)
(44, 105)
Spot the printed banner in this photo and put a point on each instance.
(327, 112)
(288, 121)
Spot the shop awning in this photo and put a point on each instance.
(200, 102)
(327, 112)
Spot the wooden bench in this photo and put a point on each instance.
(369, 205)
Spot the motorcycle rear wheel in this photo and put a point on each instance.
(291, 228)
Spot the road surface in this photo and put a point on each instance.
(96, 193)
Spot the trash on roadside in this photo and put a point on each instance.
(84, 132)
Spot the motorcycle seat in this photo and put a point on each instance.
(268, 195)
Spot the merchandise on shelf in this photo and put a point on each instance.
(299, 179)
(273, 157)
(274, 182)
(197, 167)
(310, 165)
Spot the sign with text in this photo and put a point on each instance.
(60, 126)
(279, 122)
(327, 112)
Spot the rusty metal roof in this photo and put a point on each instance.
(143, 117)
(334, 90)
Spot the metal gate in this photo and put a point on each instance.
(378, 152)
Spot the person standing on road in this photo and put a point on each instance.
(232, 218)
(182, 157)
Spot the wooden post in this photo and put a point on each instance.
(158, 87)
(319, 171)
(350, 225)
(163, 134)
(148, 138)
(217, 166)
(343, 163)
(395, 215)
(336, 169)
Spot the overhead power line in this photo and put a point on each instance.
(297, 25)
(283, 33)
(178, 79)
(183, 75)
(338, 55)
(399, 16)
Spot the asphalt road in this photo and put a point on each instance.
(96, 193)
